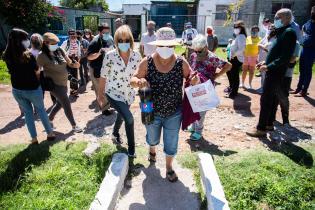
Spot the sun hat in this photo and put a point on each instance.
(165, 37)
(51, 37)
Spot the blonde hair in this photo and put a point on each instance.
(124, 29)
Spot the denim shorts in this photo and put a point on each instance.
(171, 126)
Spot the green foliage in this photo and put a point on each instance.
(51, 176)
(84, 4)
(91, 22)
(30, 15)
(261, 179)
(4, 74)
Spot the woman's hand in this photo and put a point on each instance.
(141, 83)
(195, 80)
(76, 64)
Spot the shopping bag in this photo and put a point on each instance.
(202, 97)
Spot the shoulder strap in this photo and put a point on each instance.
(68, 45)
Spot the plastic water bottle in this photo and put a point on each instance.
(146, 105)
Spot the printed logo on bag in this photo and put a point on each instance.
(146, 107)
(199, 92)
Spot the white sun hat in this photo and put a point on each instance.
(165, 37)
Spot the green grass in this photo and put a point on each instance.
(264, 179)
(51, 176)
(4, 74)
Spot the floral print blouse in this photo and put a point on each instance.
(118, 75)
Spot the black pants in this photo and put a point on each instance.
(273, 95)
(83, 71)
(234, 76)
(282, 99)
(74, 73)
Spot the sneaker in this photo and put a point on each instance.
(258, 74)
(117, 139)
(34, 141)
(190, 129)
(106, 113)
(249, 87)
(196, 136)
(256, 133)
(241, 86)
(77, 129)
(270, 128)
(260, 90)
(295, 92)
(132, 155)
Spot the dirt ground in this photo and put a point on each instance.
(224, 127)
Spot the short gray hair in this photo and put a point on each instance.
(150, 22)
(199, 42)
(286, 12)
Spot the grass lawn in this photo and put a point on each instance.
(264, 179)
(4, 74)
(51, 175)
(179, 50)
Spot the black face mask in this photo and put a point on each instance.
(313, 16)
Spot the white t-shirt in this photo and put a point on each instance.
(147, 48)
(188, 35)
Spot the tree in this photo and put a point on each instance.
(30, 15)
(232, 11)
(84, 4)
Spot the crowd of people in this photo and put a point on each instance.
(37, 64)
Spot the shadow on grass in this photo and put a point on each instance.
(292, 151)
(242, 105)
(33, 155)
(15, 124)
(207, 147)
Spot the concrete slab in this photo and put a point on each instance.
(152, 191)
(112, 184)
(211, 183)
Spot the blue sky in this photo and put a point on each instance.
(114, 5)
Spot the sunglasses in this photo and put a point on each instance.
(123, 41)
(199, 52)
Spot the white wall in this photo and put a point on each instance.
(135, 9)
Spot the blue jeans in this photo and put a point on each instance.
(26, 100)
(124, 114)
(306, 62)
(171, 127)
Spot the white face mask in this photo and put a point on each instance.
(165, 52)
(53, 48)
(237, 31)
(26, 43)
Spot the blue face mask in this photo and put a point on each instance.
(278, 23)
(124, 47)
(106, 36)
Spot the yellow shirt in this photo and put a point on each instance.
(251, 48)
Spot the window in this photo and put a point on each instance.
(220, 13)
(79, 23)
(277, 6)
(55, 24)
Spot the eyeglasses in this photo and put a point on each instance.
(123, 41)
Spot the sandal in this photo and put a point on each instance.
(171, 176)
(151, 157)
(196, 136)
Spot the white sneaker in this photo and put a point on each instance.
(241, 86)
(250, 87)
(77, 129)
